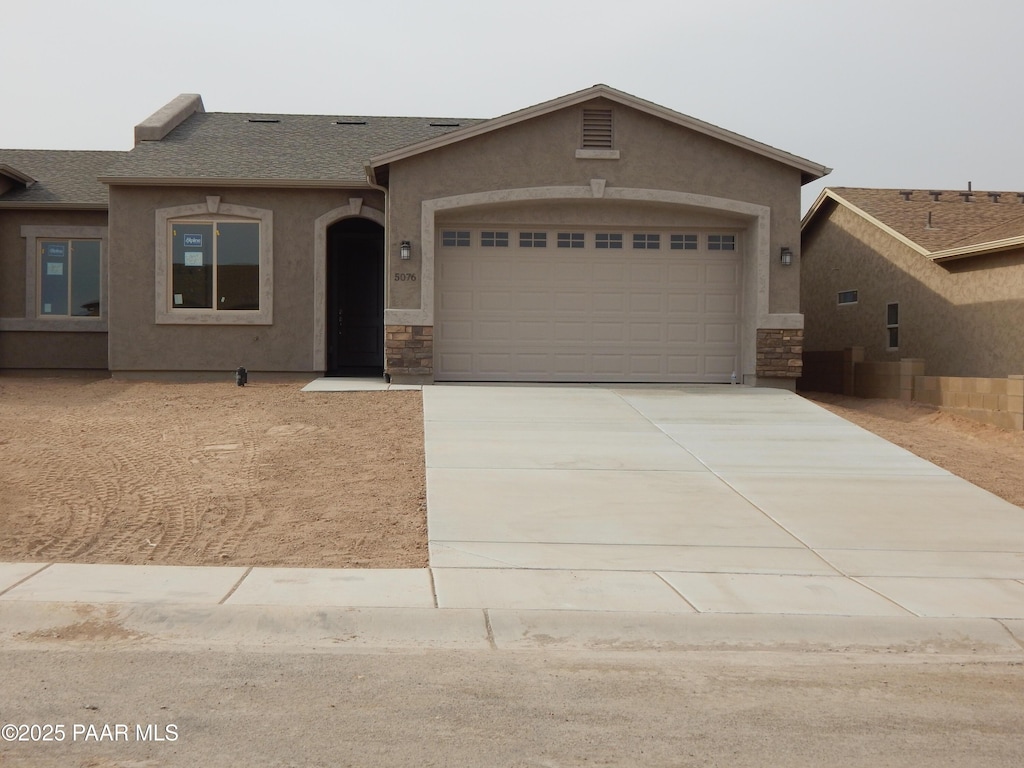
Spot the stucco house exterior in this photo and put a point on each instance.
(594, 237)
(933, 275)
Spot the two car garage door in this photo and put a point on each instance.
(544, 304)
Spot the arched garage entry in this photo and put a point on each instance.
(588, 291)
(751, 222)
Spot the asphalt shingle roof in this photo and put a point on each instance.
(955, 223)
(62, 176)
(219, 145)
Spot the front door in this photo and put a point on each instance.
(355, 298)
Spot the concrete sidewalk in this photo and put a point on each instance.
(664, 516)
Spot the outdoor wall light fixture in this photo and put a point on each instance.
(787, 256)
(405, 250)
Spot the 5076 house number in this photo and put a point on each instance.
(405, 277)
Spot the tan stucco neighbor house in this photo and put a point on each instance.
(933, 275)
(595, 237)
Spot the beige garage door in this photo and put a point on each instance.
(570, 305)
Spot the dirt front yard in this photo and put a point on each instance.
(105, 471)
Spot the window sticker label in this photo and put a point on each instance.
(54, 268)
(179, 299)
(56, 250)
(193, 241)
(193, 258)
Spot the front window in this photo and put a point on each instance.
(215, 265)
(69, 278)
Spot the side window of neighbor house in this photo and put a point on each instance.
(215, 265)
(892, 325)
(69, 278)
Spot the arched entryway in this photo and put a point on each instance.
(355, 298)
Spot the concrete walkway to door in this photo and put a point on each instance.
(709, 499)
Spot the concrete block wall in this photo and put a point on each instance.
(991, 401)
(999, 402)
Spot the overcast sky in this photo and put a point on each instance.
(890, 93)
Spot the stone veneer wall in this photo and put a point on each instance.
(409, 350)
(780, 352)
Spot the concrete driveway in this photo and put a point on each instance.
(710, 499)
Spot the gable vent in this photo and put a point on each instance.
(597, 129)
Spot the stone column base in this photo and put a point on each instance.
(780, 353)
(409, 353)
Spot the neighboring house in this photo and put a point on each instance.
(595, 237)
(927, 274)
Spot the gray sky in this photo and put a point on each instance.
(889, 93)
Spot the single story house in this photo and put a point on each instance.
(595, 237)
(935, 275)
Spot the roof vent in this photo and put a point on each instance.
(994, 196)
(350, 122)
(928, 223)
(597, 129)
(967, 196)
(906, 193)
(445, 125)
(1020, 196)
(263, 120)
(935, 195)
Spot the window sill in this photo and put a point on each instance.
(597, 154)
(55, 325)
(214, 317)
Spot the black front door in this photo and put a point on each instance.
(355, 298)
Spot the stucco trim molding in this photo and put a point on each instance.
(781, 322)
(355, 208)
(166, 316)
(32, 321)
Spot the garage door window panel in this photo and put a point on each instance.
(533, 239)
(721, 242)
(646, 241)
(683, 242)
(493, 239)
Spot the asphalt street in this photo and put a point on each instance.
(222, 706)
